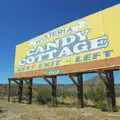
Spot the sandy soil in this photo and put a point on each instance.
(15, 111)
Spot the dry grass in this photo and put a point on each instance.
(118, 100)
(15, 111)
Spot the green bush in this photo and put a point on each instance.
(43, 96)
(97, 95)
(64, 92)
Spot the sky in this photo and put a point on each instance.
(21, 20)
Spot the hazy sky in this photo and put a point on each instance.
(21, 20)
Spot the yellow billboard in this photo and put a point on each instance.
(92, 38)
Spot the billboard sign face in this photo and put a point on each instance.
(82, 42)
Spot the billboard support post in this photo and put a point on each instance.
(20, 91)
(53, 84)
(30, 91)
(110, 89)
(9, 90)
(79, 85)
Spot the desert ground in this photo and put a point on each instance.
(15, 111)
(67, 108)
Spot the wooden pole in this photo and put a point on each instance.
(30, 92)
(53, 85)
(79, 85)
(20, 91)
(9, 91)
(54, 95)
(80, 90)
(110, 91)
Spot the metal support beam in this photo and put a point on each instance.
(20, 91)
(48, 81)
(30, 91)
(80, 90)
(16, 82)
(54, 86)
(110, 90)
(53, 83)
(79, 84)
(9, 91)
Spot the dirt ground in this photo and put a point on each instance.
(15, 111)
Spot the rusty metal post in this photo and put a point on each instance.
(108, 80)
(79, 85)
(80, 90)
(20, 91)
(54, 95)
(30, 91)
(110, 91)
(9, 90)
